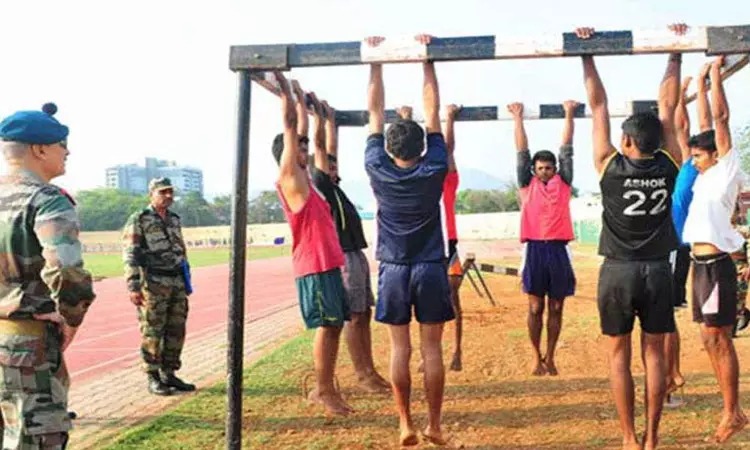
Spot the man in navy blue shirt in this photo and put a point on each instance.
(408, 184)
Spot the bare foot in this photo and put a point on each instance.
(380, 380)
(333, 403)
(456, 362)
(372, 385)
(549, 364)
(729, 427)
(675, 383)
(539, 370)
(632, 446)
(434, 437)
(408, 436)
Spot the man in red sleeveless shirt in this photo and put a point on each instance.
(316, 252)
(546, 229)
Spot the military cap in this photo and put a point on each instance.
(34, 127)
(159, 184)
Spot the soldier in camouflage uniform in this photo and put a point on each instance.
(154, 254)
(741, 263)
(44, 290)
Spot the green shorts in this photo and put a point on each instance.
(322, 299)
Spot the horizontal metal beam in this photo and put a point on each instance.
(710, 40)
(484, 113)
(352, 118)
(732, 65)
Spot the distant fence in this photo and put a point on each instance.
(471, 227)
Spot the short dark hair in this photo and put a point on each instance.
(645, 129)
(704, 141)
(405, 140)
(544, 156)
(277, 148)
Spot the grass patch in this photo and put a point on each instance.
(104, 265)
(199, 421)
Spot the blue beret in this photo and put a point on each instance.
(34, 127)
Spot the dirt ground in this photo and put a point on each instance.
(495, 403)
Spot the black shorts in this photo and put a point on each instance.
(714, 290)
(635, 288)
(680, 270)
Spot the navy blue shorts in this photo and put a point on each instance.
(547, 270)
(421, 285)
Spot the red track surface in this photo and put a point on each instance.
(109, 338)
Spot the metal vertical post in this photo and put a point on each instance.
(236, 318)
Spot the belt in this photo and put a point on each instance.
(718, 257)
(23, 327)
(164, 272)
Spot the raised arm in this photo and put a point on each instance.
(720, 109)
(376, 92)
(569, 123)
(292, 177)
(705, 121)
(404, 112)
(523, 156)
(682, 121)
(597, 99)
(430, 92)
(303, 122)
(332, 136)
(519, 132)
(319, 138)
(669, 97)
(565, 157)
(451, 111)
(669, 94)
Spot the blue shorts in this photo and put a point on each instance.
(421, 285)
(547, 270)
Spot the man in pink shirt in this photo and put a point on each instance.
(316, 252)
(546, 229)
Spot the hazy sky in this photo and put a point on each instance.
(151, 78)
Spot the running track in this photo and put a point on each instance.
(109, 338)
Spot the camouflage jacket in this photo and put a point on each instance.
(41, 266)
(152, 244)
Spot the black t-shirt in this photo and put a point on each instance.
(345, 215)
(637, 201)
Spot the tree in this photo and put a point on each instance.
(222, 207)
(195, 211)
(473, 201)
(741, 143)
(265, 208)
(107, 209)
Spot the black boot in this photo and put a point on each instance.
(169, 379)
(155, 385)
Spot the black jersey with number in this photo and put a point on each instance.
(637, 201)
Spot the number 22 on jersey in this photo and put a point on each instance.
(639, 198)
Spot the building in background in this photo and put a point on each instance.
(134, 178)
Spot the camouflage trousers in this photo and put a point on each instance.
(741, 286)
(34, 389)
(162, 319)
